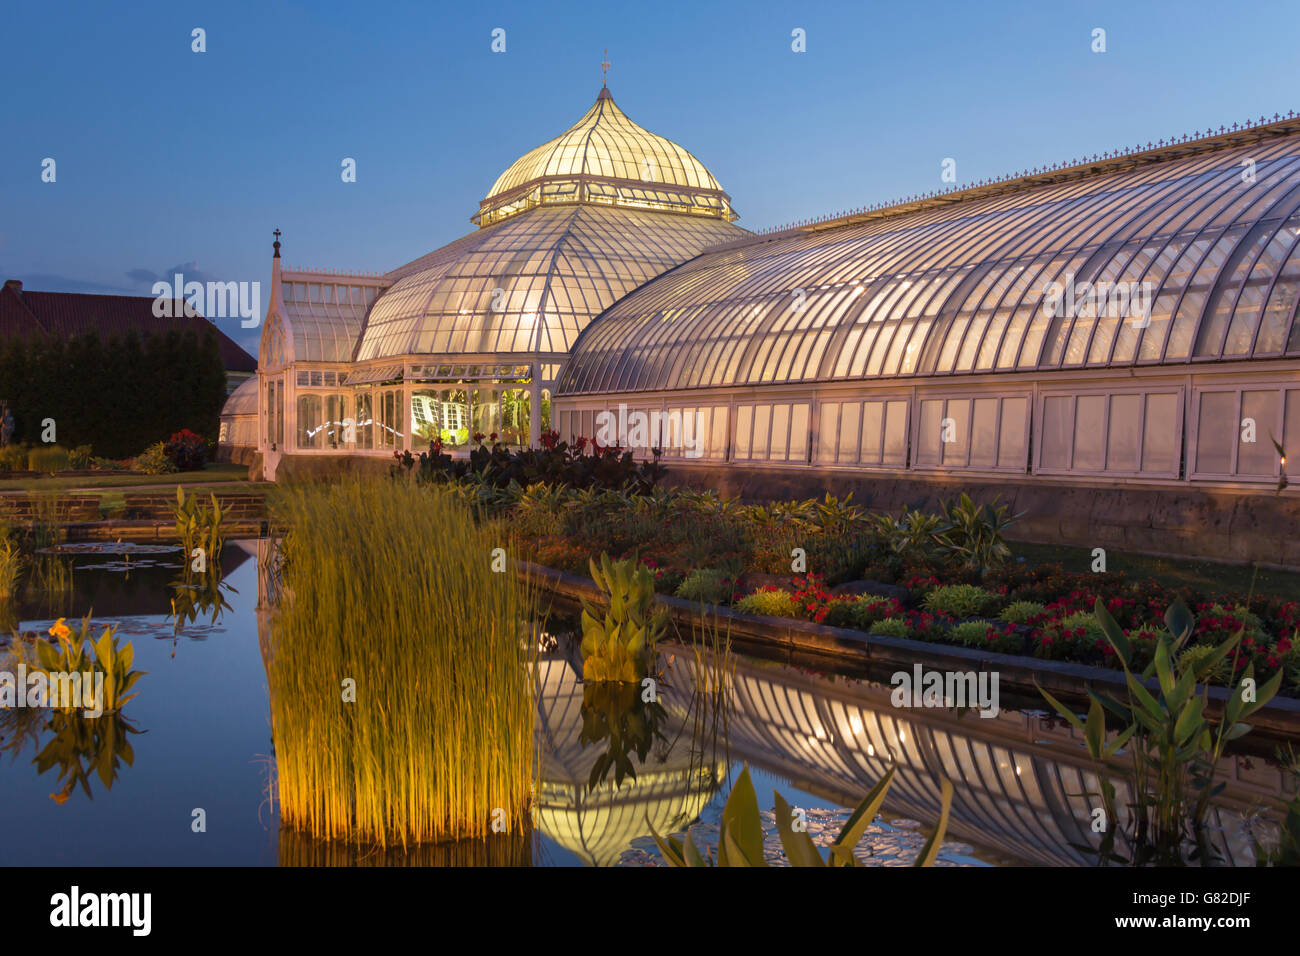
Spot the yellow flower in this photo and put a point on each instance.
(60, 629)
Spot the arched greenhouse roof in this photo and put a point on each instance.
(243, 400)
(1209, 239)
(532, 282)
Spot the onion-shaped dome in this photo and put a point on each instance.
(606, 158)
(567, 230)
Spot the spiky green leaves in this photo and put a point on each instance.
(619, 643)
(741, 841)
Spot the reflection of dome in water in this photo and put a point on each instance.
(598, 826)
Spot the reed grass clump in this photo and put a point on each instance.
(391, 585)
(11, 567)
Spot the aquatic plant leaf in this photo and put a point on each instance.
(930, 852)
(741, 824)
(1144, 698)
(799, 847)
(1266, 692)
(1179, 620)
(1064, 711)
(736, 855)
(1114, 633)
(1189, 721)
(1095, 729)
(1118, 743)
(671, 849)
(1164, 669)
(860, 819)
(692, 854)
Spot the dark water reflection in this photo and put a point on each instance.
(203, 743)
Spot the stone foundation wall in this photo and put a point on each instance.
(236, 454)
(1217, 525)
(318, 467)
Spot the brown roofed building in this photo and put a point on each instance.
(64, 315)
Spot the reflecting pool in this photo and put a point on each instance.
(198, 748)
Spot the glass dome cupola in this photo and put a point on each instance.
(606, 159)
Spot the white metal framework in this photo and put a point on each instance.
(1133, 323)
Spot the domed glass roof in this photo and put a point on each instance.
(243, 400)
(606, 158)
(532, 283)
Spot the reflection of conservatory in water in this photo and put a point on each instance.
(471, 338)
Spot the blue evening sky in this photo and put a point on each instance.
(170, 158)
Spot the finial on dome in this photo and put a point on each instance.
(277, 244)
(604, 71)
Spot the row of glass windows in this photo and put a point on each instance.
(1127, 434)
(456, 415)
(1134, 433)
(678, 432)
(367, 418)
(328, 293)
(1236, 428)
(985, 433)
(238, 430)
(868, 433)
(372, 418)
(316, 378)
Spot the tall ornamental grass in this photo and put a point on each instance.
(392, 585)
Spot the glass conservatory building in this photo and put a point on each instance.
(470, 339)
(1128, 319)
(1124, 320)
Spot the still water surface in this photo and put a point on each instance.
(205, 743)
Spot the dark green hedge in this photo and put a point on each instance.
(118, 397)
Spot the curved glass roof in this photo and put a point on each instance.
(324, 314)
(964, 287)
(531, 283)
(243, 400)
(606, 158)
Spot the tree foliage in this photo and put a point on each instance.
(120, 396)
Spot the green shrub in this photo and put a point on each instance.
(839, 612)
(154, 460)
(890, 627)
(710, 585)
(969, 633)
(13, 458)
(47, 458)
(1075, 637)
(961, 600)
(865, 610)
(539, 509)
(80, 458)
(1191, 658)
(974, 533)
(1021, 612)
(777, 603)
